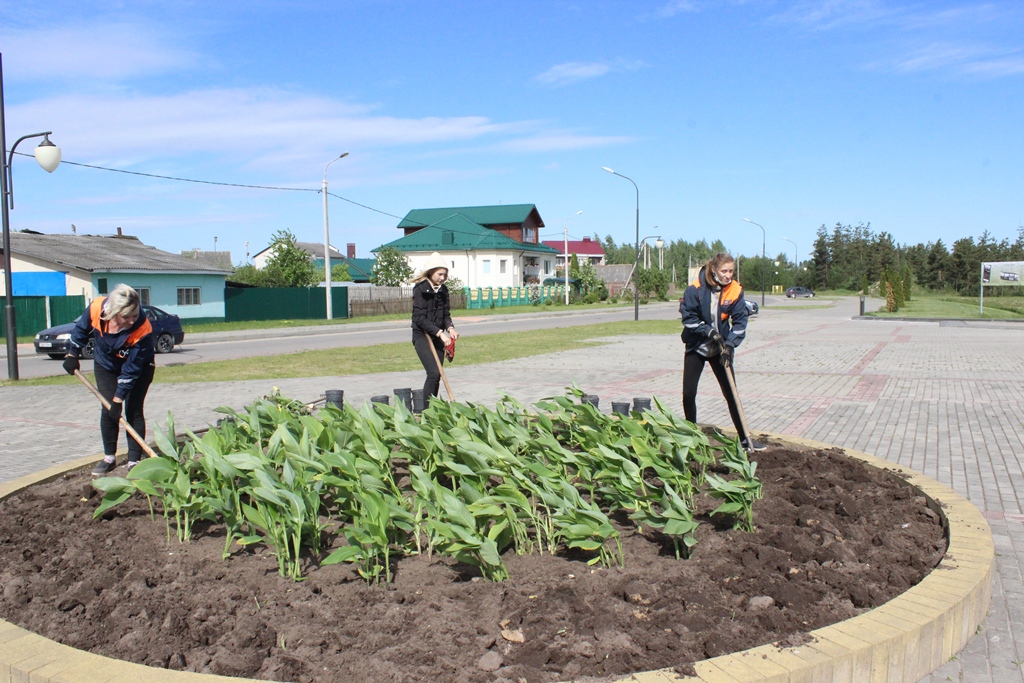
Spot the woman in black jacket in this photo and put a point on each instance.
(714, 324)
(432, 319)
(122, 363)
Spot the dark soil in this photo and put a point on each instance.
(834, 538)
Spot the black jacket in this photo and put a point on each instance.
(431, 311)
(695, 308)
(125, 354)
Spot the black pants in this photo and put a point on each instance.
(433, 383)
(134, 412)
(693, 366)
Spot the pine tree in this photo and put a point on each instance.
(890, 298)
(907, 281)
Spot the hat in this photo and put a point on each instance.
(434, 261)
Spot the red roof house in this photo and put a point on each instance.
(585, 249)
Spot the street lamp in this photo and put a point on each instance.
(796, 260)
(636, 287)
(566, 237)
(762, 256)
(48, 156)
(327, 242)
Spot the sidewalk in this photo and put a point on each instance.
(922, 395)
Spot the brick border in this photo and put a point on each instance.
(900, 642)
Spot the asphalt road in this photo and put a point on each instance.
(214, 346)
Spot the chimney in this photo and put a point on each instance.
(351, 250)
(586, 239)
(119, 233)
(74, 231)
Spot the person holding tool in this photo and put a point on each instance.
(123, 365)
(432, 321)
(714, 324)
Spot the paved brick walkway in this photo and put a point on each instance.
(944, 399)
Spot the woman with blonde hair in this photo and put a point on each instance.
(123, 365)
(432, 319)
(714, 324)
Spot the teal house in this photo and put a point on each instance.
(92, 265)
(486, 246)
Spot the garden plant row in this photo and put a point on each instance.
(459, 479)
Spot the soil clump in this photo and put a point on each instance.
(833, 538)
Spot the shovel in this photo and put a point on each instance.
(440, 368)
(106, 406)
(735, 393)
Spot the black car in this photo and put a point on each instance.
(794, 292)
(167, 333)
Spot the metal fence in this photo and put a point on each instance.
(497, 297)
(35, 313)
(283, 303)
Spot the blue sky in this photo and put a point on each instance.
(906, 115)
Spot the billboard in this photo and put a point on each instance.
(1002, 273)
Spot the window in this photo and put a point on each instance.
(502, 266)
(188, 296)
(547, 266)
(530, 235)
(487, 267)
(101, 285)
(143, 295)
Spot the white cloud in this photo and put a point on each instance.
(574, 72)
(261, 129)
(830, 14)
(91, 51)
(965, 60)
(677, 7)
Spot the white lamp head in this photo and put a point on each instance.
(48, 154)
(607, 169)
(659, 244)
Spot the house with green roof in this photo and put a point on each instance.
(487, 246)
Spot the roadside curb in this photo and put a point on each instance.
(900, 642)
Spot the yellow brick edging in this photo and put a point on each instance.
(900, 642)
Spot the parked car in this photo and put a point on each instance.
(167, 333)
(794, 292)
(752, 307)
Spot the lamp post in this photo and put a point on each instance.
(327, 241)
(763, 238)
(636, 286)
(796, 260)
(48, 156)
(565, 236)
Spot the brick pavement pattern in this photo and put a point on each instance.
(941, 398)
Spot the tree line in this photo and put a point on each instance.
(848, 257)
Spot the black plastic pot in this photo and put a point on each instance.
(640, 404)
(382, 398)
(592, 399)
(405, 396)
(620, 407)
(419, 401)
(335, 397)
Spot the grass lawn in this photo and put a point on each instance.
(364, 360)
(460, 313)
(932, 306)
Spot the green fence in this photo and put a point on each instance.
(283, 303)
(30, 313)
(497, 297)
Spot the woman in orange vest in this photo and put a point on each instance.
(714, 324)
(123, 365)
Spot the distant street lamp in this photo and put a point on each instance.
(636, 286)
(796, 259)
(566, 237)
(48, 156)
(762, 257)
(327, 242)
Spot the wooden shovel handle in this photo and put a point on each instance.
(440, 368)
(106, 406)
